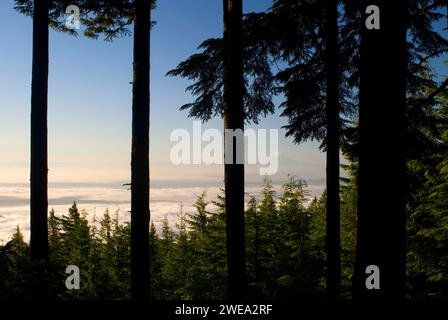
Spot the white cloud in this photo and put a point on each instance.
(14, 209)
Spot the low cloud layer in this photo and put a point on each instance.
(95, 199)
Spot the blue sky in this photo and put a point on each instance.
(90, 97)
(90, 100)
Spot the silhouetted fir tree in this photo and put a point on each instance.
(268, 226)
(122, 239)
(333, 79)
(383, 69)
(166, 253)
(182, 258)
(317, 236)
(5, 265)
(17, 241)
(268, 201)
(101, 282)
(234, 117)
(199, 220)
(427, 265)
(95, 265)
(216, 250)
(54, 237)
(299, 272)
(198, 224)
(156, 265)
(140, 215)
(16, 268)
(207, 69)
(253, 249)
(381, 229)
(107, 256)
(39, 146)
(348, 227)
(76, 242)
(424, 43)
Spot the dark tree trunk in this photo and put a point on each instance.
(381, 176)
(333, 124)
(140, 214)
(257, 246)
(39, 158)
(234, 173)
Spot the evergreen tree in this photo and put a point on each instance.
(233, 98)
(76, 242)
(294, 254)
(140, 215)
(122, 239)
(198, 224)
(182, 258)
(381, 229)
(166, 249)
(268, 241)
(54, 237)
(428, 189)
(156, 265)
(253, 248)
(39, 145)
(333, 79)
(17, 268)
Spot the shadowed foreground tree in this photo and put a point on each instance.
(234, 171)
(39, 147)
(381, 233)
(378, 101)
(333, 126)
(140, 214)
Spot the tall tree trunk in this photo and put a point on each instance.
(39, 157)
(381, 177)
(140, 214)
(333, 125)
(234, 173)
(257, 246)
